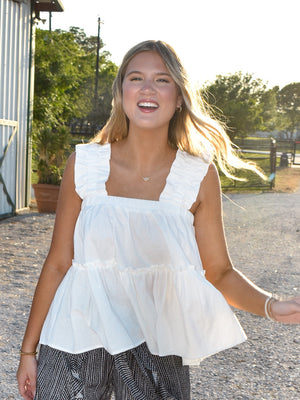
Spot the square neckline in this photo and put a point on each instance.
(170, 173)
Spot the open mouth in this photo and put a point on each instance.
(148, 105)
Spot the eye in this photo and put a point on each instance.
(135, 78)
(163, 80)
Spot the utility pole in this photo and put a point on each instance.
(50, 21)
(97, 65)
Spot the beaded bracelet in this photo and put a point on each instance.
(24, 353)
(268, 311)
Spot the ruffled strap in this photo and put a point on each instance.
(184, 180)
(91, 169)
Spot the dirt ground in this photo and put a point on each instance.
(287, 180)
(263, 234)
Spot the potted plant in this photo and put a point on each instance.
(50, 150)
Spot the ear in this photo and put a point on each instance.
(179, 101)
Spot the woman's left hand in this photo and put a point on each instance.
(286, 311)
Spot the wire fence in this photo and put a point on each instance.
(264, 153)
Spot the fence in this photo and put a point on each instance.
(296, 153)
(84, 129)
(264, 153)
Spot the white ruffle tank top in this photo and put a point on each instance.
(137, 275)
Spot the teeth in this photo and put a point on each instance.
(148, 104)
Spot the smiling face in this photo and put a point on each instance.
(150, 95)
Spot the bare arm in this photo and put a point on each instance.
(56, 265)
(239, 291)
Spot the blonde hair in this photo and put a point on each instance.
(192, 130)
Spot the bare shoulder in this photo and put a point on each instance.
(69, 202)
(209, 189)
(68, 180)
(211, 179)
(70, 163)
(67, 189)
(68, 209)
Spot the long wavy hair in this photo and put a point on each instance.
(192, 130)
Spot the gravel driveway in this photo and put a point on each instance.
(263, 233)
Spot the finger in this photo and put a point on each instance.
(289, 319)
(31, 388)
(288, 312)
(22, 389)
(25, 390)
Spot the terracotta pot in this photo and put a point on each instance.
(46, 197)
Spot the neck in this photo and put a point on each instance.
(147, 147)
(145, 152)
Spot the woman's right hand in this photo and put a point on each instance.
(26, 376)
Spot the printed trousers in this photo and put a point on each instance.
(135, 374)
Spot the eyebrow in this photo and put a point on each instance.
(156, 73)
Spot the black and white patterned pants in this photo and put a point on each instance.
(135, 374)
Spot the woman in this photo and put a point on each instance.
(137, 281)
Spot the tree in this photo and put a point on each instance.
(65, 77)
(56, 77)
(236, 99)
(270, 109)
(288, 99)
(101, 111)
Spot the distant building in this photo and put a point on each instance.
(17, 31)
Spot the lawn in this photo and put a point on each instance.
(251, 180)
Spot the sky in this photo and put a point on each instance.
(211, 37)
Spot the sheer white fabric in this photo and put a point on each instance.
(137, 275)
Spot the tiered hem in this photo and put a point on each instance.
(176, 311)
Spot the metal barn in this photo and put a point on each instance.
(17, 26)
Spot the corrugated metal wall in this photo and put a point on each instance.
(15, 40)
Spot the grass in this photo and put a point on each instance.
(252, 181)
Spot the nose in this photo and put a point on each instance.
(148, 86)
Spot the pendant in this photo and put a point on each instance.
(146, 178)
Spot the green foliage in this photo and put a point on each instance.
(50, 150)
(65, 77)
(288, 99)
(101, 111)
(56, 77)
(236, 98)
(269, 109)
(247, 106)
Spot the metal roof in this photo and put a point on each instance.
(48, 5)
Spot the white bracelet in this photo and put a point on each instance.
(268, 312)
